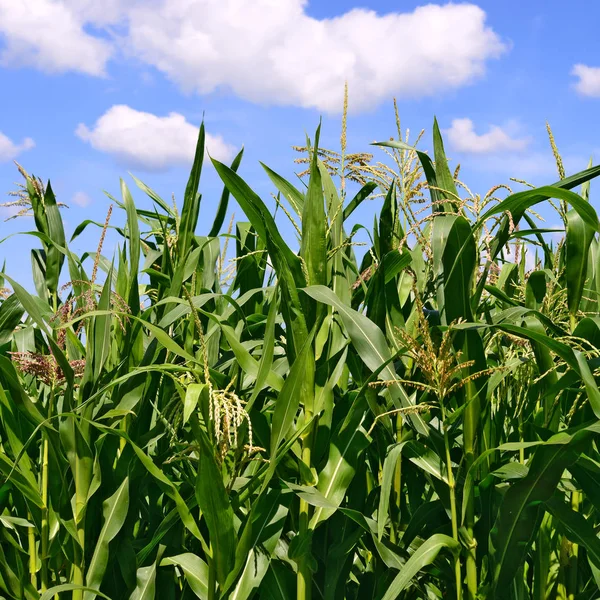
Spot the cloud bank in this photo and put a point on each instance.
(264, 51)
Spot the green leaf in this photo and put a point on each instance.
(279, 582)
(261, 219)
(266, 360)
(358, 199)
(289, 192)
(145, 588)
(577, 244)
(114, 511)
(444, 178)
(389, 468)
(345, 451)
(454, 258)
(191, 200)
(288, 400)
(266, 526)
(518, 203)
(194, 569)
(11, 313)
(54, 591)
(192, 398)
(423, 557)
(216, 510)
(222, 208)
(521, 510)
(56, 232)
(313, 246)
(579, 529)
(286, 263)
(535, 290)
(370, 345)
(133, 231)
(152, 194)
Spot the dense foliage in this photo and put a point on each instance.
(419, 424)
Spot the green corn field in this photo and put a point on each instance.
(240, 415)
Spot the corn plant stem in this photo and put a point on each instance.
(212, 577)
(304, 584)
(45, 530)
(79, 566)
(575, 501)
(453, 514)
(471, 561)
(521, 439)
(32, 554)
(470, 428)
(123, 427)
(573, 563)
(398, 478)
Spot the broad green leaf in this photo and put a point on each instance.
(54, 591)
(345, 451)
(518, 203)
(145, 588)
(389, 469)
(216, 510)
(520, 513)
(358, 199)
(313, 246)
(266, 530)
(192, 398)
(288, 400)
(191, 200)
(579, 529)
(422, 557)
(222, 208)
(56, 232)
(279, 582)
(444, 178)
(114, 512)
(577, 244)
(289, 192)
(371, 346)
(194, 569)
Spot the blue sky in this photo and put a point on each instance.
(88, 89)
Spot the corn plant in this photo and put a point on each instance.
(294, 422)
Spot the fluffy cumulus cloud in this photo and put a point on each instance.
(462, 137)
(266, 51)
(272, 51)
(588, 80)
(50, 36)
(9, 150)
(148, 141)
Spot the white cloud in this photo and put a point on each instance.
(463, 138)
(49, 35)
(588, 83)
(272, 51)
(148, 141)
(265, 51)
(81, 199)
(9, 150)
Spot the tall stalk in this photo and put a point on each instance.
(80, 502)
(45, 530)
(212, 576)
(32, 554)
(471, 425)
(304, 578)
(453, 511)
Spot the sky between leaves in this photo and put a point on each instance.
(92, 90)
